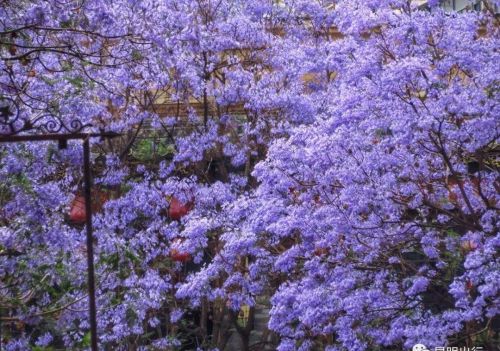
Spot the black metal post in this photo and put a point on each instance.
(1, 336)
(90, 244)
(63, 138)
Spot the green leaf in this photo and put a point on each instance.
(86, 340)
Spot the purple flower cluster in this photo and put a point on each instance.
(337, 160)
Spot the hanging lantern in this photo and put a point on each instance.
(78, 212)
(177, 209)
(177, 255)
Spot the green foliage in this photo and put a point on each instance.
(136, 55)
(86, 340)
(147, 150)
(41, 348)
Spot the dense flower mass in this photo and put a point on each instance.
(334, 161)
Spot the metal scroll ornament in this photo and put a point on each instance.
(12, 124)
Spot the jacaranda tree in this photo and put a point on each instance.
(338, 159)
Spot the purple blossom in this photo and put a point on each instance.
(336, 160)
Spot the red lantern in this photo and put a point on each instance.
(78, 212)
(178, 255)
(469, 285)
(177, 209)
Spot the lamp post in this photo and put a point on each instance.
(14, 132)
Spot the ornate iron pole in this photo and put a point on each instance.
(12, 133)
(90, 244)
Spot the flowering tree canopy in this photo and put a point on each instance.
(337, 159)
